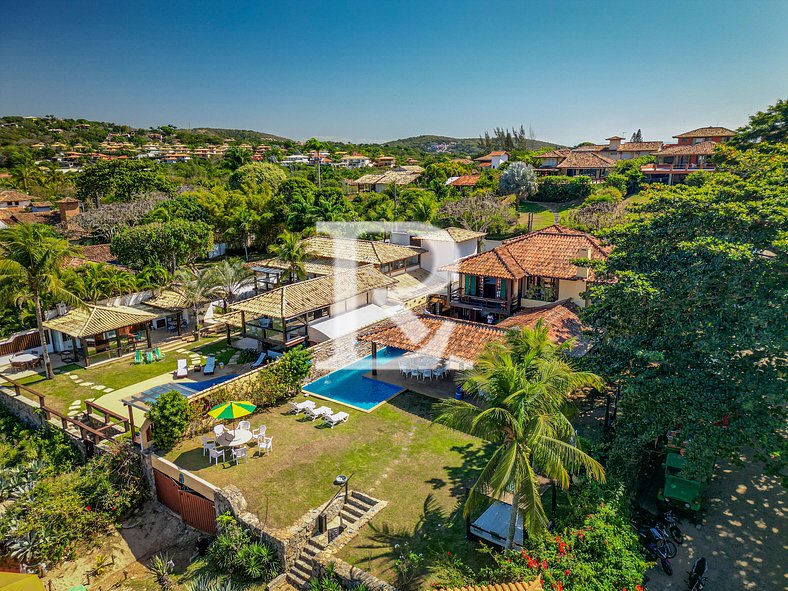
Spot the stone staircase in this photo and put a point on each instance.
(358, 505)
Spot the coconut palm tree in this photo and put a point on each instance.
(241, 224)
(196, 287)
(152, 277)
(522, 386)
(30, 269)
(231, 276)
(291, 250)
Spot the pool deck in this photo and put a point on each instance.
(434, 388)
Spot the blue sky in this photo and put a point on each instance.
(374, 71)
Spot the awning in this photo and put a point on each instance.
(337, 326)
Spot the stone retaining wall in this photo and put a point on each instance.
(348, 575)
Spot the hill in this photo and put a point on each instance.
(244, 135)
(442, 143)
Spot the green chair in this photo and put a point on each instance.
(148, 357)
(138, 357)
(158, 354)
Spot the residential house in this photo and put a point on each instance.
(68, 209)
(380, 182)
(691, 153)
(575, 162)
(355, 161)
(493, 159)
(632, 150)
(527, 271)
(294, 159)
(12, 198)
(386, 162)
(464, 182)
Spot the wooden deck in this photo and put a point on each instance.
(435, 388)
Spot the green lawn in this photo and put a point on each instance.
(393, 453)
(61, 390)
(543, 217)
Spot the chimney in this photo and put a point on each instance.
(69, 208)
(583, 272)
(614, 143)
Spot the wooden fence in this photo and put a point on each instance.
(195, 510)
(20, 342)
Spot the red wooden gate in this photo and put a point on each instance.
(195, 510)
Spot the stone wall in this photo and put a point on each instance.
(336, 353)
(348, 575)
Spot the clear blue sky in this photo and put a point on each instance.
(372, 71)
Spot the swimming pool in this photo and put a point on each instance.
(187, 389)
(350, 387)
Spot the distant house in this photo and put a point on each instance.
(632, 150)
(466, 181)
(295, 159)
(355, 161)
(493, 159)
(177, 157)
(63, 217)
(691, 153)
(380, 182)
(574, 163)
(386, 161)
(617, 149)
(12, 198)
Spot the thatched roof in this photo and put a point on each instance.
(92, 320)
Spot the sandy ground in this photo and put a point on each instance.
(742, 536)
(150, 531)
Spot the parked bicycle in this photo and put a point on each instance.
(697, 575)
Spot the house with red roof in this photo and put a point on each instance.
(691, 152)
(493, 159)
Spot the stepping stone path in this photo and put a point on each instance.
(86, 384)
(73, 377)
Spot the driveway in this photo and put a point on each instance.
(742, 537)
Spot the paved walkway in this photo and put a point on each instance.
(743, 536)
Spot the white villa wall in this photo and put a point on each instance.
(572, 290)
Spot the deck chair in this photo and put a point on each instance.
(138, 357)
(298, 407)
(182, 370)
(316, 413)
(335, 419)
(259, 361)
(158, 354)
(210, 365)
(148, 357)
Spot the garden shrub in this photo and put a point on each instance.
(630, 170)
(618, 181)
(170, 417)
(247, 356)
(699, 178)
(562, 188)
(604, 195)
(234, 551)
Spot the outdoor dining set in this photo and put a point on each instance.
(235, 440)
(422, 366)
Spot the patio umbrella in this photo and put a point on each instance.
(20, 582)
(232, 410)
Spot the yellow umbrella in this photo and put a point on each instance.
(232, 410)
(20, 582)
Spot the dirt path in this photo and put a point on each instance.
(742, 537)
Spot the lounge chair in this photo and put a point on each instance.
(274, 354)
(138, 357)
(335, 419)
(158, 354)
(259, 361)
(210, 366)
(298, 407)
(148, 357)
(316, 413)
(183, 368)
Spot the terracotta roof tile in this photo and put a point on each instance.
(561, 318)
(466, 180)
(708, 132)
(702, 148)
(640, 147)
(585, 160)
(451, 234)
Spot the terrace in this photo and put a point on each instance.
(393, 453)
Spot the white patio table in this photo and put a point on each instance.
(235, 438)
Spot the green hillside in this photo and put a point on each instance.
(442, 143)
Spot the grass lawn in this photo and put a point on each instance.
(392, 453)
(61, 390)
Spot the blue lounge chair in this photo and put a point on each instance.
(210, 366)
(259, 361)
(274, 354)
(148, 357)
(158, 354)
(138, 357)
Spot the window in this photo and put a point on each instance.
(543, 289)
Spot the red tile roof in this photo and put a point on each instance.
(640, 147)
(535, 585)
(490, 156)
(585, 160)
(701, 148)
(466, 180)
(547, 253)
(708, 132)
(561, 319)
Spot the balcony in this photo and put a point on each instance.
(681, 168)
(463, 300)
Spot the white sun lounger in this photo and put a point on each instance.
(332, 420)
(297, 407)
(182, 370)
(316, 413)
(259, 361)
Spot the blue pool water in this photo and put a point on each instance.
(187, 389)
(348, 385)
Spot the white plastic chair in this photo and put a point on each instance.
(215, 454)
(238, 453)
(259, 432)
(218, 430)
(207, 445)
(244, 425)
(265, 445)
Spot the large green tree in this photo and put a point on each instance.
(169, 244)
(31, 269)
(522, 386)
(693, 324)
(257, 174)
(769, 126)
(121, 180)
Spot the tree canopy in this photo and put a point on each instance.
(121, 180)
(170, 244)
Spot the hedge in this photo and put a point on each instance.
(563, 188)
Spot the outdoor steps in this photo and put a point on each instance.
(301, 572)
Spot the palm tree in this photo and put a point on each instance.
(26, 173)
(152, 277)
(30, 269)
(231, 276)
(291, 250)
(196, 287)
(241, 223)
(522, 386)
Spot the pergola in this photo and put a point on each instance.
(169, 301)
(441, 337)
(93, 321)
